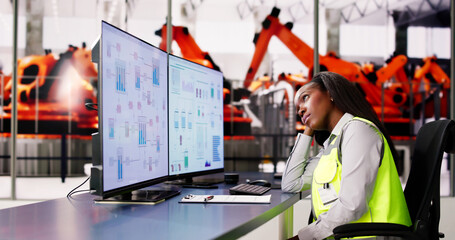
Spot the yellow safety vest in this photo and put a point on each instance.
(387, 203)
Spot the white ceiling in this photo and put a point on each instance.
(354, 11)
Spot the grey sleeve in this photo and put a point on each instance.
(298, 173)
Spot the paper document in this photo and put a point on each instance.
(190, 198)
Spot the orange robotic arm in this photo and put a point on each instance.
(31, 72)
(431, 72)
(394, 65)
(188, 46)
(437, 74)
(330, 62)
(271, 26)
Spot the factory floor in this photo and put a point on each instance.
(36, 189)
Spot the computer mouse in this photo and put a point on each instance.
(261, 182)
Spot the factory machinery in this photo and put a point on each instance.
(262, 113)
(53, 123)
(260, 120)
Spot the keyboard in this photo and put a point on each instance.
(248, 189)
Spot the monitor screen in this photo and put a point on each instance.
(195, 119)
(133, 112)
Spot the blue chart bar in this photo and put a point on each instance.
(138, 82)
(111, 132)
(216, 143)
(142, 134)
(120, 82)
(120, 168)
(120, 85)
(138, 77)
(155, 76)
(183, 119)
(117, 86)
(111, 128)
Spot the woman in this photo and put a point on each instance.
(353, 178)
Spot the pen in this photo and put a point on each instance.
(189, 196)
(208, 198)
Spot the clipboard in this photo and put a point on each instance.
(190, 198)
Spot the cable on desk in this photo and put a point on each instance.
(74, 190)
(90, 106)
(78, 191)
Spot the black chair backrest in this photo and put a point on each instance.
(422, 191)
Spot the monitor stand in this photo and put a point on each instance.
(148, 195)
(207, 183)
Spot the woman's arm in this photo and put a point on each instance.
(298, 173)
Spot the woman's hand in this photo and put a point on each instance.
(308, 131)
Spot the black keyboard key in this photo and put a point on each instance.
(248, 189)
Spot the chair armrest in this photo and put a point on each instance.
(373, 229)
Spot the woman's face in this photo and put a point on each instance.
(314, 107)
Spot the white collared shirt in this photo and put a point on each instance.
(361, 154)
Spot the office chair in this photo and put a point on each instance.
(422, 191)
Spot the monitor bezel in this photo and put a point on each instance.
(136, 186)
(182, 176)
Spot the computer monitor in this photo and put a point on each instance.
(133, 113)
(196, 141)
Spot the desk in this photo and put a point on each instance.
(81, 218)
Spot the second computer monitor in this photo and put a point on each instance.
(196, 144)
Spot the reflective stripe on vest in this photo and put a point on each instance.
(387, 203)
